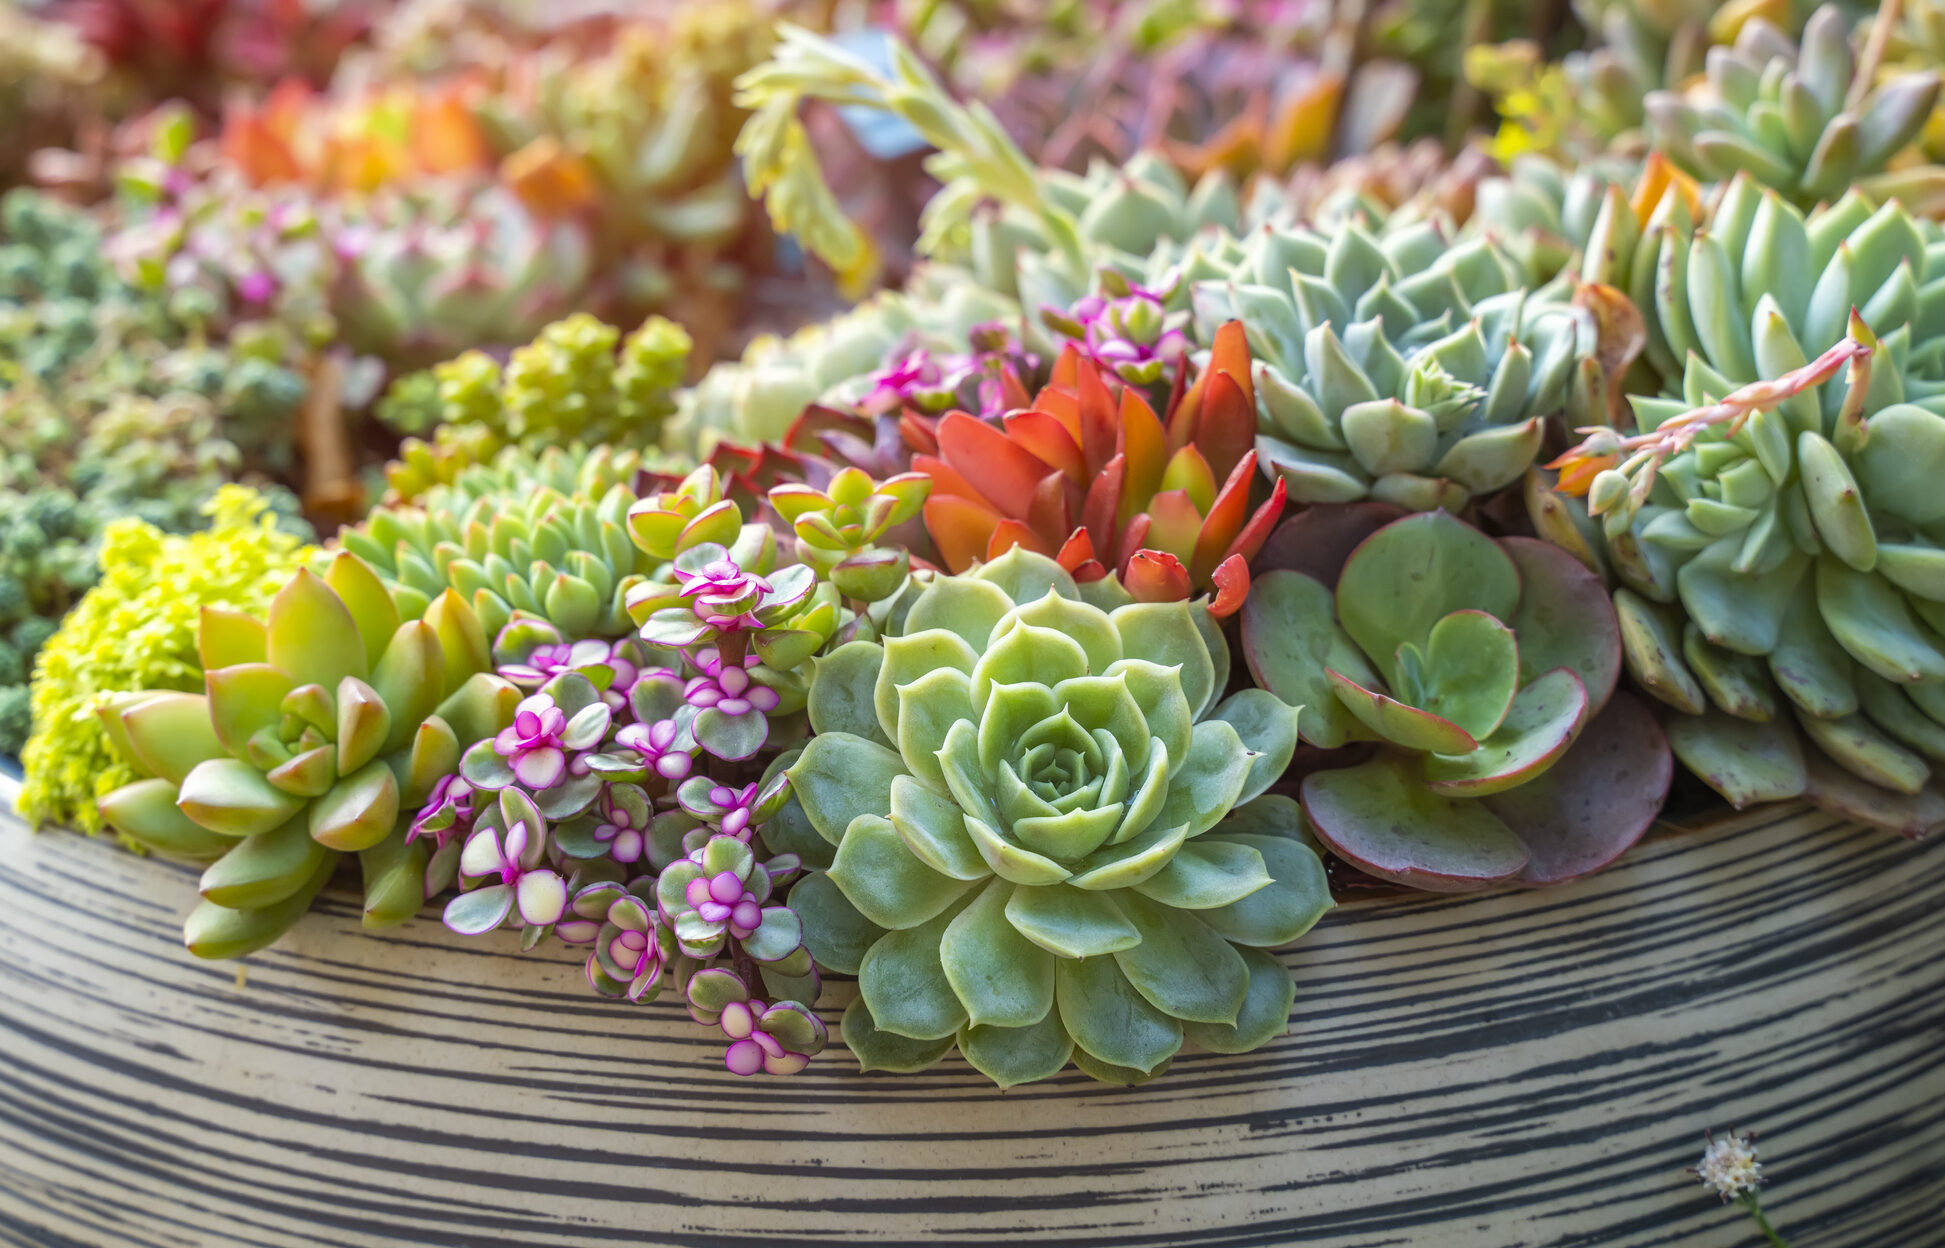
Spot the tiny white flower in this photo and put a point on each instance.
(1729, 1164)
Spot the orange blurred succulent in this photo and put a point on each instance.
(297, 135)
(1090, 475)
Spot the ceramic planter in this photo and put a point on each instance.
(1494, 1070)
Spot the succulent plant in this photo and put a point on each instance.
(1483, 671)
(1396, 366)
(136, 629)
(579, 380)
(322, 726)
(521, 535)
(1794, 118)
(1771, 546)
(1047, 864)
(1106, 485)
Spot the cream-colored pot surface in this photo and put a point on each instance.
(1500, 1070)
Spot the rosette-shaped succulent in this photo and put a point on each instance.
(1037, 852)
(323, 727)
(1395, 366)
(1106, 485)
(547, 535)
(1775, 548)
(1791, 118)
(1484, 673)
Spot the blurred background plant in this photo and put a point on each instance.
(113, 402)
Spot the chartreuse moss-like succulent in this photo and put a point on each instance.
(1483, 671)
(323, 726)
(1794, 118)
(1045, 840)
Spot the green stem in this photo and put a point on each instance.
(1753, 1203)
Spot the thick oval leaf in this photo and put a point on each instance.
(146, 811)
(312, 637)
(1414, 572)
(1468, 673)
(1182, 966)
(1265, 1013)
(1109, 1020)
(171, 733)
(1010, 1056)
(836, 934)
(842, 691)
(1397, 723)
(232, 798)
(1002, 978)
(1297, 896)
(877, 1049)
(1380, 818)
(1596, 801)
(1870, 619)
(1831, 788)
(839, 777)
(1746, 761)
(1291, 640)
(1564, 619)
(263, 869)
(885, 880)
(1545, 717)
(1070, 922)
(904, 983)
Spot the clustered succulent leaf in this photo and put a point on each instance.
(1768, 527)
(322, 724)
(1792, 117)
(136, 629)
(1484, 672)
(1090, 474)
(111, 404)
(1046, 843)
(578, 381)
(1398, 367)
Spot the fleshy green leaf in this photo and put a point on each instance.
(1002, 978)
(1071, 922)
(885, 880)
(839, 777)
(903, 982)
(1109, 1019)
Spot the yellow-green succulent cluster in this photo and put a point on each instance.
(137, 630)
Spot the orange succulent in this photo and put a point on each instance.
(1090, 475)
(360, 144)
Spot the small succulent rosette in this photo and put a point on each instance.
(1468, 685)
(548, 748)
(322, 726)
(1038, 853)
(507, 875)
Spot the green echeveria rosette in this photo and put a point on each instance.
(1049, 836)
(324, 725)
(1469, 684)
(1397, 365)
(1778, 587)
(1784, 114)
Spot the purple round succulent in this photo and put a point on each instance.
(550, 660)
(724, 595)
(749, 1045)
(729, 690)
(667, 750)
(449, 810)
(539, 894)
(532, 744)
(627, 844)
(723, 898)
(735, 805)
(1130, 331)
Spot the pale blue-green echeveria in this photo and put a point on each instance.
(323, 727)
(1050, 839)
(1483, 671)
(1792, 117)
(1774, 579)
(1394, 365)
(1780, 586)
